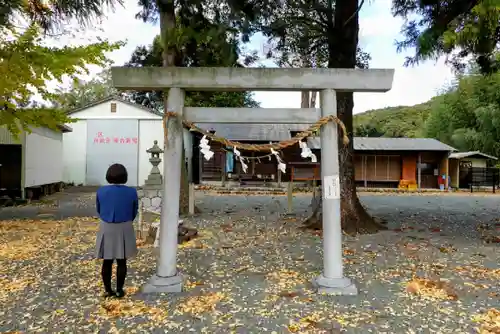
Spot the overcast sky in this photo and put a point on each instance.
(379, 30)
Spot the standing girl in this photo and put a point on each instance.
(117, 207)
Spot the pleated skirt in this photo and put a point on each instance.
(116, 241)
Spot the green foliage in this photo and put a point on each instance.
(25, 66)
(26, 63)
(207, 54)
(197, 33)
(49, 15)
(301, 34)
(468, 116)
(459, 29)
(403, 121)
(82, 93)
(202, 26)
(237, 17)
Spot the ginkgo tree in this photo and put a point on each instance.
(27, 63)
(25, 67)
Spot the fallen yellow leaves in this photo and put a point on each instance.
(48, 226)
(285, 278)
(194, 244)
(489, 233)
(198, 305)
(197, 243)
(490, 321)
(37, 240)
(111, 309)
(348, 251)
(259, 260)
(476, 286)
(132, 290)
(191, 285)
(431, 289)
(142, 243)
(25, 238)
(306, 324)
(282, 284)
(447, 249)
(28, 225)
(10, 286)
(288, 294)
(391, 273)
(479, 272)
(19, 249)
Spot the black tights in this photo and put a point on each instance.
(121, 273)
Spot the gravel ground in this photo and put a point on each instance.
(249, 271)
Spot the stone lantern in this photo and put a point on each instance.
(155, 179)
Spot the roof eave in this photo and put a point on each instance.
(472, 154)
(117, 98)
(64, 128)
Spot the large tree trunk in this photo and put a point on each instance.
(167, 23)
(342, 45)
(308, 98)
(184, 194)
(355, 219)
(304, 99)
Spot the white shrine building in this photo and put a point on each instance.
(108, 131)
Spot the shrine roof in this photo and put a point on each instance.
(392, 144)
(280, 132)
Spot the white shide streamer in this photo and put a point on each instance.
(306, 152)
(241, 159)
(205, 148)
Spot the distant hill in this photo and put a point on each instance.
(403, 121)
(466, 116)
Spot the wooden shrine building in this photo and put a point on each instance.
(379, 162)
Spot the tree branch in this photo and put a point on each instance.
(355, 13)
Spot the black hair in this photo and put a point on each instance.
(117, 174)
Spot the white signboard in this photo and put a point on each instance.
(332, 187)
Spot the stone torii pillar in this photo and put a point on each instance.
(327, 81)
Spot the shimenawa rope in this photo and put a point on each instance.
(261, 147)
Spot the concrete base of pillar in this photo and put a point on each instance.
(335, 286)
(156, 284)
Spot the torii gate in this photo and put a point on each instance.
(327, 81)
